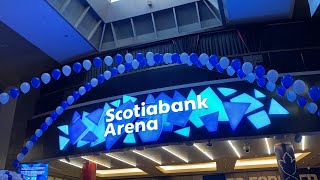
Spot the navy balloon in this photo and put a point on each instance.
(251, 77)
(157, 58)
(287, 81)
(35, 82)
(318, 113)
(33, 138)
(301, 101)
(77, 67)
(213, 59)
(24, 150)
(70, 99)
(88, 86)
(312, 108)
(199, 64)
(82, 90)
(314, 93)
(118, 58)
(114, 72)
(65, 104)
(25, 87)
(219, 68)
(270, 86)
(259, 71)
(14, 92)
(54, 115)
(56, 74)
(176, 58)
(281, 90)
(59, 110)
(143, 63)
(236, 64)
(261, 81)
(97, 62)
(240, 74)
(161, 59)
(44, 127)
(193, 58)
(66, 70)
(291, 96)
(139, 57)
(76, 95)
(29, 144)
(15, 164)
(128, 66)
(87, 64)
(101, 78)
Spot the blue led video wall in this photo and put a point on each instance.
(34, 171)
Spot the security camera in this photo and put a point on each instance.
(246, 148)
(209, 143)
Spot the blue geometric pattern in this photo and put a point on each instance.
(89, 128)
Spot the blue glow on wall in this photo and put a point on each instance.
(129, 139)
(64, 129)
(245, 98)
(150, 99)
(226, 91)
(183, 132)
(116, 103)
(259, 94)
(81, 143)
(235, 112)
(259, 119)
(63, 142)
(210, 121)
(276, 108)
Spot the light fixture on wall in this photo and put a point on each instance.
(149, 3)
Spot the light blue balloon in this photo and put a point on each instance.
(107, 75)
(209, 66)
(87, 64)
(312, 108)
(29, 144)
(151, 62)
(20, 157)
(184, 57)
(128, 57)
(82, 90)
(299, 86)
(48, 121)
(121, 68)
(272, 76)
(66, 70)
(38, 132)
(230, 71)
(167, 58)
(4, 98)
(291, 96)
(251, 77)
(149, 56)
(45, 78)
(135, 64)
(94, 82)
(59, 110)
(204, 58)
(108, 60)
(70, 100)
(247, 67)
(224, 62)
(270, 86)
(25, 87)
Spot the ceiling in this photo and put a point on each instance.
(221, 152)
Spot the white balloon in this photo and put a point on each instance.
(204, 58)
(108, 60)
(128, 57)
(107, 75)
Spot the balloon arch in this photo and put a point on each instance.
(245, 70)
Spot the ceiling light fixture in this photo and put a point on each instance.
(89, 159)
(267, 144)
(120, 159)
(120, 172)
(70, 163)
(198, 167)
(204, 152)
(303, 141)
(234, 148)
(175, 154)
(146, 156)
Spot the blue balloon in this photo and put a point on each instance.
(291, 96)
(230, 70)
(33, 139)
(314, 93)
(44, 127)
(219, 68)
(156, 57)
(65, 104)
(86, 64)
(20, 157)
(29, 144)
(287, 81)
(56, 74)
(82, 90)
(97, 62)
(70, 99)
(251, 77)
(14, 92)
(270, 86)
(48, 121)
(35, 82)
(87, 86)
(108, 60)
(45, 77)
(15, 164)
(176, 58)
(247, 67)
(114, 71)
(54, 115)
(272, 76)
(149, 56)
(302, 101)
(25, 87)
(4, 98)
(121, 68)
(128, 66)
(240, 74)
(24, 150)
(281, 90)
(59, 110)
(193, 57)
(213, 60)
(224, 62)
(66, 70)
(209, 66)
(118, 58)
(166, 58)
(94, 82)
(76, 95)
(135, 63)
(318, 113)
(184, 57)
(101, 78)
(261, 81)
(143, 63)
(139, 57)
(299, 86)
(129, 58)
(38, 133)
(107, 75)
(204, 58)
(312, 108)
(161, 58)
(199, 64)
(236, 64)
(259, 71)
(77, 67)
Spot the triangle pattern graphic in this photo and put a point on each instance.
(63, 142)
(259, 119)
(245, 98)
(235, 112)
(126, 98)
(276, 108)
(210, 121)
(226, 91)
(183, 132)
(129, 139)
(259, 94)
(81, 143)
(150, 99)
(116, 103)
(64, 129)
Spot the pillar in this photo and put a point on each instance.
(286, 161)
(89, 171)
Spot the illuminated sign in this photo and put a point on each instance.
(34, 171)
(145, 119)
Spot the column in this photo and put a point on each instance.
(89, 171)
(286, 161)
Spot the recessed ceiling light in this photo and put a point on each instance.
(89, 159)
(303, 141)
(175, 154)
(120, 172)
(121, 159)
(234, 148)
(198, 167)
(203, 151)
(70, 163)
(147, 156)
(267, 144)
